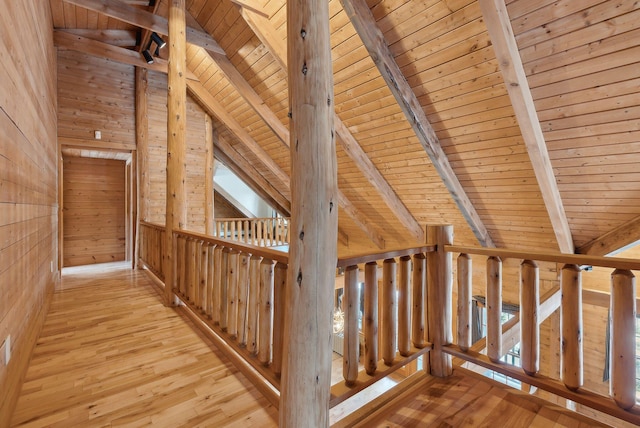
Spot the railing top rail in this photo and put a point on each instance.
(366, 258)
(255, 250)
(250, 218)
(577, 259)
(152, 225)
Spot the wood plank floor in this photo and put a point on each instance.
(110, 354)
(468, 400)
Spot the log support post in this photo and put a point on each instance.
(142, 154)
(306, 372)
(176, 212)
(440, 289)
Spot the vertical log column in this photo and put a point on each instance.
(306, 374)
(494, 308)
(210, 137)
(623, 338)
(529, 307)
(142, 153)
(176, 208)
(571, 326)
(464, 301)
(440, 290)
(351, 304)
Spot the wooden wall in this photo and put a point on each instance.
(157, 156)
(93, 211)
(95, 94)
(225, 209)
(28, 184)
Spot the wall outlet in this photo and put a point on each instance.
(5, 350)
(97, 135)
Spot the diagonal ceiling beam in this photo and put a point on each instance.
(504, 44)
(373, 39)
(70, 41)
(264, 30)
(214, 108)
(243, 169)
(119, 10)
(616, 239)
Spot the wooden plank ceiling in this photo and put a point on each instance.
(428, 132)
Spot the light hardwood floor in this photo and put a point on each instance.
(110, 354)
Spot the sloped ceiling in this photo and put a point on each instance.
(577, 83)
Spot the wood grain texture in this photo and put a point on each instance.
(94, 211)
(110, 353)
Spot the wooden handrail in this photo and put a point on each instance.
(274, 255)
(577, 259)
(389, 254)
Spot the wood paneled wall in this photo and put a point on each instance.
(95, 94)
(157, 156)
(28, 184)
(225, 209)
(93, 211)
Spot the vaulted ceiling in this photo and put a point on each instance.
(518, 122)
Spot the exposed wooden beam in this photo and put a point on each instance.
(66, 40)
(121, 38)
(373, 39)
(141, 18)
(243, 169)
(504, 45)
(614, 240)
(264, 30)
(216, 109)
(209, 102)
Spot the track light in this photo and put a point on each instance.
(158, 40)
(147, 56)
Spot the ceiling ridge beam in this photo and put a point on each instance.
(506, 50)
(362, 19)
(261, 26)
(614, 240)
(214, 108)
(121, 11)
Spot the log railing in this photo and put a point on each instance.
(394, 316)
(534, 309)
(264, 232)
(152, 247)
(235, 289)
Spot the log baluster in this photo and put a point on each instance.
(209, 280)
(204, 256)
(243, 297)
(232, 294)
(189, 268)
(198, 274)
(419, 300)
(217, 284)
(247, 237)
(622, 386)
(224, 288)
(279, 308)
(464, 301)
(259, 238)
(253, 304)
(182, 265)
(265, 311)
(389, 307)
(529, 308)
(571, 326)
(370, 317)
(404, 306)
(494, 308)
(351, 305)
